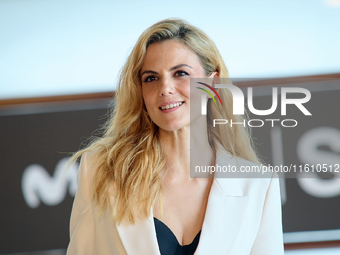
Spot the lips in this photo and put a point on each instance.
(170, 105)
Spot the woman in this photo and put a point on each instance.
(135, 194)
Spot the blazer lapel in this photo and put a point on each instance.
(223, 216)
(224, 213)
(139, 238)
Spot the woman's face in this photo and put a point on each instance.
(165, 78)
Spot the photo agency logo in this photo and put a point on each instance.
(239, 105)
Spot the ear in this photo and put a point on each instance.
(215, 76)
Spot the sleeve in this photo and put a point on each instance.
(82, 220)
(269, 239)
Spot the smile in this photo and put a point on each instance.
(171, 106)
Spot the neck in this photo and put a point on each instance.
(183, 145)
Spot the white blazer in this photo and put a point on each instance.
(243, 216)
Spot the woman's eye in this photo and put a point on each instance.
(150, 78)
(181, 73)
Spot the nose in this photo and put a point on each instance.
(167, 87)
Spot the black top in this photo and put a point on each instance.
(168, 243)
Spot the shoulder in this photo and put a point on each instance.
(90, 159)
(256, 178)
(248, 176)
(239, 167)
(89, 164)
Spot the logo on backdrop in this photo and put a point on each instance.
(239, 104)
(39, 186)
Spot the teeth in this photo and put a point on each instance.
(170, 106)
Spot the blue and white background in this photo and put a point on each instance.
(70, 47)
(50, 48)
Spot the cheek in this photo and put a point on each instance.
(185, 90)
(147, 96)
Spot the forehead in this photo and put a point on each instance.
(169, 53)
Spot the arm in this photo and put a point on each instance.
(82, 223)
(269, 239)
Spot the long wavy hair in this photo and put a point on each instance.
(129, 155)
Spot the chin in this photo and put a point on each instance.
(172, 128)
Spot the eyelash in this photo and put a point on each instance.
(177, 72)
(180, 71)
(146, 79)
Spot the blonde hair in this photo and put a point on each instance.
(129, 155)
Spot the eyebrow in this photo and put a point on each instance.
(171, 69)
